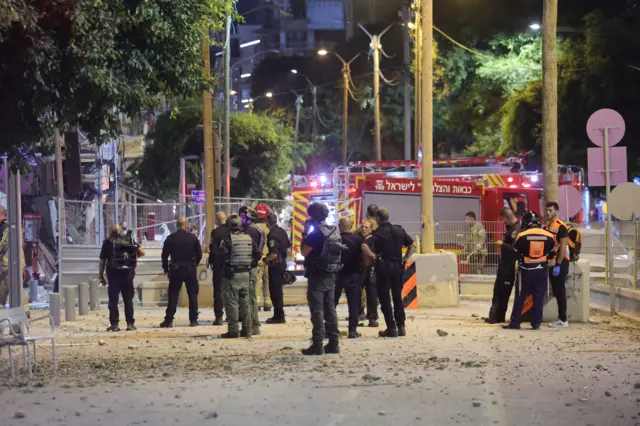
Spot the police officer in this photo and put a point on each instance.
(184, 249)
(278, 244)
(322, 250)
(249, 218)
(559, 266)
(533, 246)
(216, 262)
(349, 276)
(236, 279)
(120, 273)
(387, 242)
(506, 268)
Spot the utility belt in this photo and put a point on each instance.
(175, 266)
(230, 271)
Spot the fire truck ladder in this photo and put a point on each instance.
(341, 189)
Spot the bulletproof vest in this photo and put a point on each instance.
(125, 255)
(241, 250)
(330, 258)
(575, 243)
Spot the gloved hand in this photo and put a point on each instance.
(556, 271)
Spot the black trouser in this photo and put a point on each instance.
(369, 284)
(276, 273)
(120, 282)
(502, 291)
(559, 289)
(531, 283)
(179, 274)
(351, 285)
(389, 281)
(218, 302)
(321, 298)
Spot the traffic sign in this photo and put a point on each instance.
(625, 201)
(569, 201)
(609, 119)
(617, 166)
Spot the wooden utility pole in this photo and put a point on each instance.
(406, 18)
(550, 100)
(427, 127)
(207, 123)
(345, 113)
(417, 83)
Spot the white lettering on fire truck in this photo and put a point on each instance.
(448, 189)
(400, 186)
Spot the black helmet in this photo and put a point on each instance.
(531, 220)
(234, 222)
(318, 211)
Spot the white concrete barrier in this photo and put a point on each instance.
(436, 280)
(578, 295)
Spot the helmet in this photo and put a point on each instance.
(318, 211)
(531, 220)
(234, 222)
(263, 210)
(247, 213)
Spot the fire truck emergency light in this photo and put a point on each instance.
(534, 178)
(510, 179)
(323, 179)
(313, 184)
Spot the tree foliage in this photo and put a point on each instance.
(81, 63)
(261, 150)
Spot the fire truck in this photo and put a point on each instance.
(483, 185)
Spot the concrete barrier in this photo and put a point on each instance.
(627, 300)
(578, 295)
(69, 292)
(54, 308)
(83, 299)
(437, 280)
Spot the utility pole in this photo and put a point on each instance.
(417, 83)
(227, 108)
(427, 127)
(376, 47)
(299, 100)
(346, 77)
(207, 123)
(407, 80)
(62, 220)
(550, 100)
(14, 205)
(314, 124)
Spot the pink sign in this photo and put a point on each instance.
(605, 118)
(617, 166)
(569, 201)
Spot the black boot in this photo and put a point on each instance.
(267, 309)
(373, 324)
(166, 324)
(131, 327)
(333, 347)
(230, 335)
(194, 323)
(274, 320)
(217, 321)
(511, 326)
(245, 333)
(402, 331)
(113, 327)
(255, 331)
(314, 349)
(353, 333)
(389, 332)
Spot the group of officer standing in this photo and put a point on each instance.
(531, 256)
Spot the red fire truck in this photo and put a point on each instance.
(481, 185)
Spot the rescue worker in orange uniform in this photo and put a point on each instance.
(534, 247)
(559, 266)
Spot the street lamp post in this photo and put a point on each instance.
(550, 100)
(346, 77)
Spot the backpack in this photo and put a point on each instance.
(241, 250)
(330, 257)
(261, 243)
(125, 254)
(575, 243)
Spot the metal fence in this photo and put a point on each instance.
(474, 243)
(478, 251)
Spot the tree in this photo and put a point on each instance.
(262, 151)
(81, 63)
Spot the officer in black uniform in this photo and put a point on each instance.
(321, 262)
(216, 263)
(120, 278)
(186, 253)
(349, 276)
(278, 245)
(506, 268)
(388, 241)
(534, 247)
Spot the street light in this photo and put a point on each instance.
(249, 43)
(269, 94)
(294, 71)
(322, 52)
(247, 75)
(535, 26)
